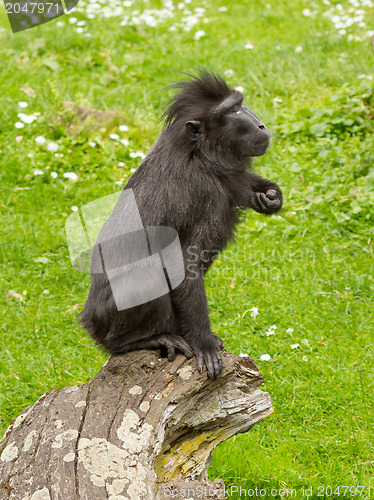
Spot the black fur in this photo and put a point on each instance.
(196, 178)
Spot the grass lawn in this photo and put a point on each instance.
(307, 70)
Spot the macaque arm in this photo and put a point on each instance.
(260, 194)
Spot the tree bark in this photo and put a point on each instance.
(142, 428)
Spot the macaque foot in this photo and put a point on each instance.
(165, 341)
(172, 343)
(220, 342)
(207, 351)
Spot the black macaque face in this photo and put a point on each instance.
(235, 126)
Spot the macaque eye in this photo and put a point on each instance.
(237, 109)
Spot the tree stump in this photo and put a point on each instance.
(142, 428)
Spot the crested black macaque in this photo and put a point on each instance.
(196, 179)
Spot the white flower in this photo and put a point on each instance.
(22, 104)
(40, 139)
(298, 49)
(81, 23)
(38, 172)
(125, 142)
(138, 154)
(19, 138)
(277, 99)
(121, 164)
(26, 118)
(92, 144)
(249, 46)
(222, 9)
(295, 346)
(132, 170)
(306, 12)
(52, 146)
(115, 137)
(54, 175)
(271, 330)
(254, 312)
(70, 175)
(228, 73)
(305, 358)
(289, 331)
(243, 355)
(36, 113)
(239, 88)
(46, 292)
(265, 357)
(73, 20)
(79, 30)
(59, 24)
(19, 125)
(123, 128)
(199, 34)
(74, 208)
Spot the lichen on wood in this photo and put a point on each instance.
(141, 426)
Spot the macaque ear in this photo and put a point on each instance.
(194, 129)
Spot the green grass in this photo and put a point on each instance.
(309, 269)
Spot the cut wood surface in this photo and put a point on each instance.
(140, 429)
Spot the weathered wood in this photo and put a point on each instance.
(141, 428)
